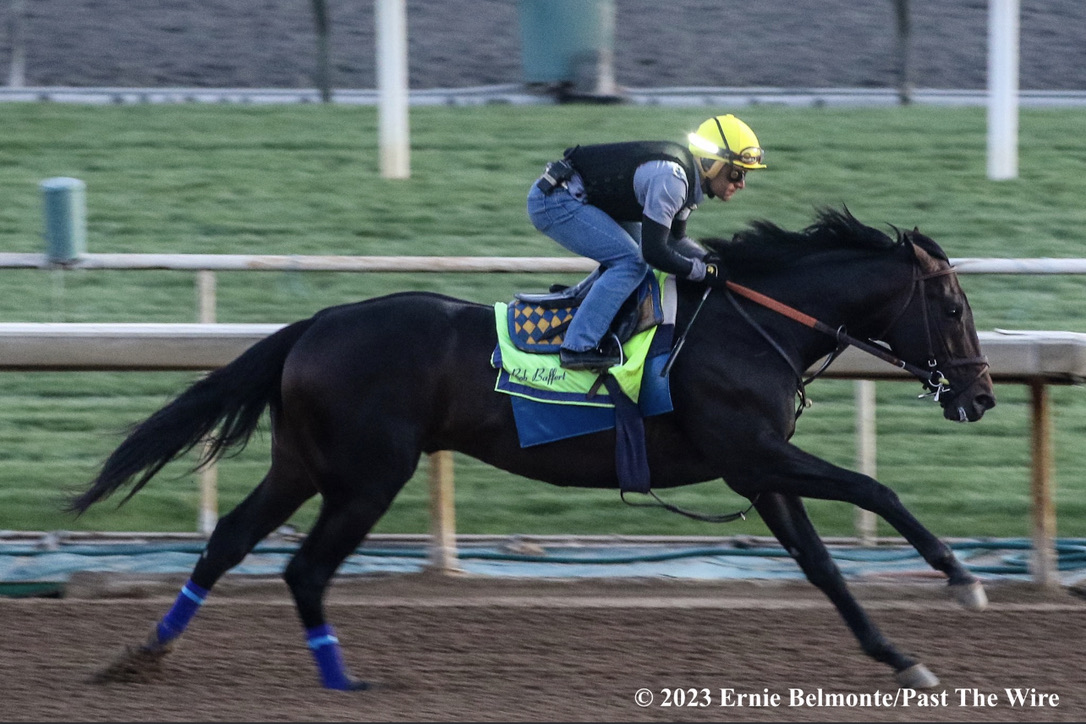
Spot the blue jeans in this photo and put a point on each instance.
(588, 231)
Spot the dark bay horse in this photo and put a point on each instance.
(358, 392)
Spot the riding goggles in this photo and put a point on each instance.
(752, 155)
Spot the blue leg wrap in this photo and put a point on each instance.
(326, 652)
(175, 621)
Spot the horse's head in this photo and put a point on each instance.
(935, 331)
(925, 320)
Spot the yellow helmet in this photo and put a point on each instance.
(725, 140)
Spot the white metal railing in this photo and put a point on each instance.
(288, 262)
(436, 264)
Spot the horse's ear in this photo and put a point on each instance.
(897, 232)
(926, 243)
(920, 253)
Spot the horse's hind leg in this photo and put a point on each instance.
(359, 475)
(788, 520)
(267, 507)
(339, 530)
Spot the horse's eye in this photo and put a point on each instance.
(954, 311)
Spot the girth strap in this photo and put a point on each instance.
(705, 517)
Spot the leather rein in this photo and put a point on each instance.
(932, 377)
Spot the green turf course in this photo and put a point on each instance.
(304, 179)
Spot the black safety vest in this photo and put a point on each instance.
(608, 170)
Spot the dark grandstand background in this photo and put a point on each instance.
(463, 43)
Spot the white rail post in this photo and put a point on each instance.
(1003, 89)
(442, 514)
(1043, 564)
(209, 476)
(392, 123)
(866, 458)
(605, 74)
(17, 43)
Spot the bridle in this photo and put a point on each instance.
(931, 377)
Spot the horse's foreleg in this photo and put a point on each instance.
(811, 477)
(788, 520)
(963, 585)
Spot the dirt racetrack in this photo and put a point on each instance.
(476, 649)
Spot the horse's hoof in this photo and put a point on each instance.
(135, 665)
(353, 684)
(916, 676)
(970, 596)
(154, 646)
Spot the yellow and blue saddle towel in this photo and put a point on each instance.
(551, 403)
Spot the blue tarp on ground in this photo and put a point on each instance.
(1001, 559)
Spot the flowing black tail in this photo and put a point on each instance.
(231, 399)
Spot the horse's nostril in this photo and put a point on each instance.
(984, 401)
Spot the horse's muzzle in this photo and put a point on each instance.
(971, 404)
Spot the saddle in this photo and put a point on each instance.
(551, 403)
(538, 322)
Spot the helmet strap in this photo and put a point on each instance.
(711, 167)
(707, 187)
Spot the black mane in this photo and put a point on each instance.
(764, 246)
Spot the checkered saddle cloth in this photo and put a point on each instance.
(538, 322)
